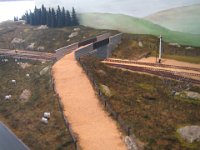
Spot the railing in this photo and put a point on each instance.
(67, 124)
(106, 102)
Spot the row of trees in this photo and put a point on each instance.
(51, 17)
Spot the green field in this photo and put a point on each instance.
(183, 19)
(146, 104)
(128, 24)
(23, 117)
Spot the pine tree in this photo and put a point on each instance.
(44, 16)
(63, 17)
(74, 18)
(16, 19)
(27, 17)
(59, 17)
(35, 14)
(32, 18)
(68, 19)
(53, 18)
(49, 18)
(39, 16)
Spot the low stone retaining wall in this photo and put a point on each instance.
(61, 52)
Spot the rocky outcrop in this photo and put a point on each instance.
(17, 41)
(45, 70)
(190, 133)
(25, 95)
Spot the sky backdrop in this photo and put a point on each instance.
(137, 8)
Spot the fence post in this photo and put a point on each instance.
(117, 115)
(76, 147)
(129, 131)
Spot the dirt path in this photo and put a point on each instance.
(96, 131)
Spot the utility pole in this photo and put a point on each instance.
(160, 50)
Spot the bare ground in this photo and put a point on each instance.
(95, 129)
(170, 62)
(181, 72)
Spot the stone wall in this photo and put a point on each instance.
(102, 52)
(61, 52)
(101, 49)
(103, 37)
(83, 51)
(114, 41)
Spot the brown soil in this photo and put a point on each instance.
(170, 62)
(167, 62)
(95, 129)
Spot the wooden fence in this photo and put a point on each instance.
(67, 124)
(106, 102)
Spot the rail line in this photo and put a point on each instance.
(151, 64)
(31, 55)
(160, 72)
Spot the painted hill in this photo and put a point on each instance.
(183, 19)
(130, 24)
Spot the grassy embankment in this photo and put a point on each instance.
(147, 106)
(130, 49)
(22, 117)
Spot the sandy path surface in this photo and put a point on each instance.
(95, 129)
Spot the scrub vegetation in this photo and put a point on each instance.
(50, 39)
(23, 117)
(136, 46)
(147, 105)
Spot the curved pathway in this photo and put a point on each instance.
(95, 129)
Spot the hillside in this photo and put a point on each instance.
(30, 98)
(33, 38)
(130, 24)
(135, 8)
(183, 19)
(136, 46)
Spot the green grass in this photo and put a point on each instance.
(195, 60)
(190, 59)
(146, 104)
(23, 118)
(128, 24)
(183, 19)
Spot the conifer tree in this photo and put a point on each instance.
(39, 17)
(50, 17)
(53, 18)
(44, 16)
(63, 17)
(32, 18)
(15, 18)
(74, 18)
(59, 17)
(68, 19)
(27, 17)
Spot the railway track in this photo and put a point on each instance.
(151, 64)
(158, 72)
(31, 55)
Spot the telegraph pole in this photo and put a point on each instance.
(160, 50)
